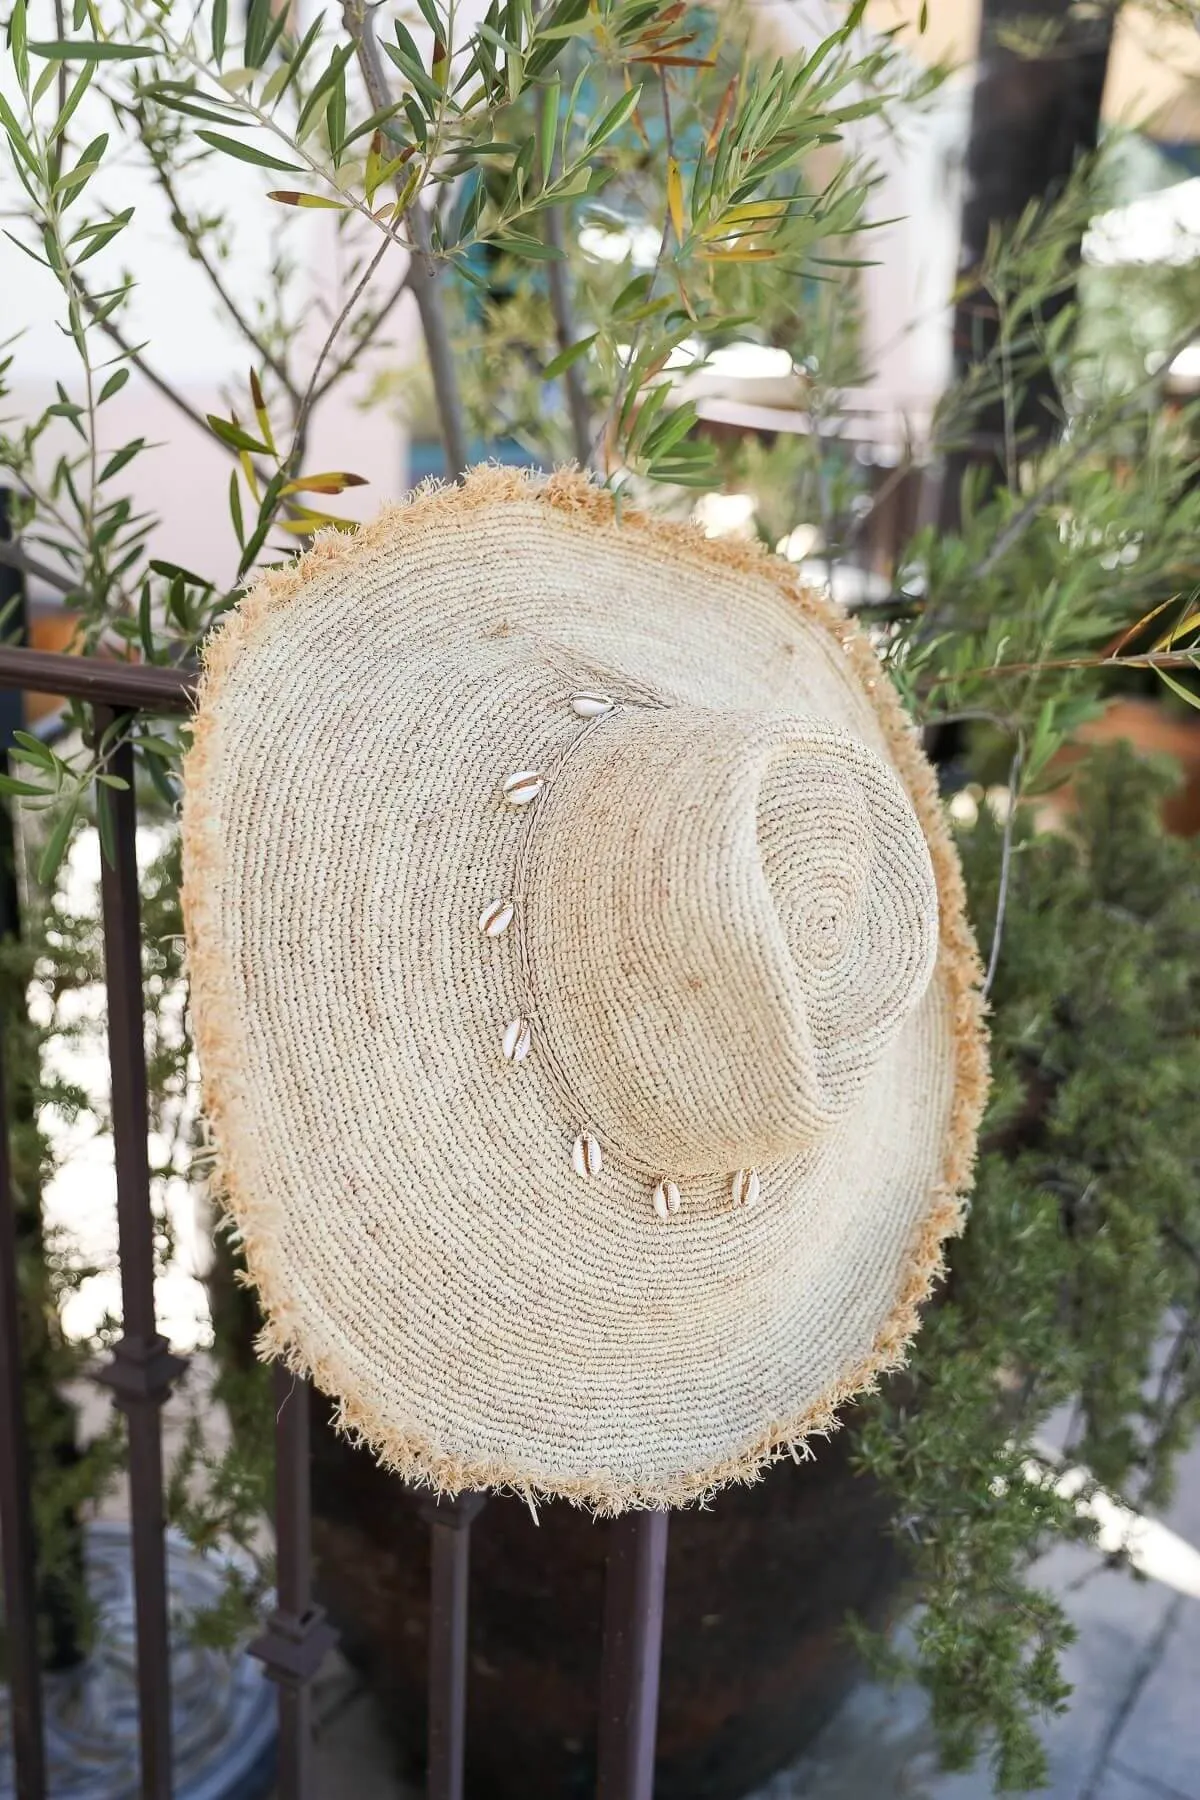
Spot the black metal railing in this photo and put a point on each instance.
(143, 1370)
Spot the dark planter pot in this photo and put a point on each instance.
(755, 1655)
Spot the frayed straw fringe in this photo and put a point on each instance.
(286, 1336)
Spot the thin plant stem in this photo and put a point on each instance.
(438, 350)
(565, 332)
(1008, 408)
(60, 145)
(422, 274)
(608, 429)
(1014, 786)
(93, 559)
(1152, 659)
(565, 329)
(967, 715)
(365, 338)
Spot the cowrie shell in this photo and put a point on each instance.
(666, 1199)
(495, 919)
(517, 1038)
(591, 704)
(745, 1187)
(585, 1155)
(522, 786)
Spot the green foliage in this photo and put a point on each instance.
(1077, 1283)
(220, 1497)
(40, 979)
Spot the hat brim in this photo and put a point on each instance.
(420, 1242)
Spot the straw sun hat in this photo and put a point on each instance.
(584, 999)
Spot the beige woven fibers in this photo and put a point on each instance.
(699, 1202)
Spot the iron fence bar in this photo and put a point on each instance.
(142, 1370)
(449, 1573)
(298, 1636)
(632, 1654)
(101, 679)
(16, 1517)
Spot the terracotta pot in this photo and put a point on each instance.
(755, 1655)
(51, 627)
(1152, 730)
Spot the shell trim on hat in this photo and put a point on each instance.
(288, 1334)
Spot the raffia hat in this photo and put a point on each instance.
(584, 999)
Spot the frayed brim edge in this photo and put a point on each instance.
(287, 1336)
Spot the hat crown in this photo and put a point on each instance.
(728, 919)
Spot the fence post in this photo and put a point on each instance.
(629, 1670)
(16, 1521)
(450, 1562)
(143, 1370)
(298, 1636)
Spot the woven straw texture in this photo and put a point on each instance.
(739, 943)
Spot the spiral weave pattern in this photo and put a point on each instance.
(737, 913)
(746, 948)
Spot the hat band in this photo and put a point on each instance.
(508, 916)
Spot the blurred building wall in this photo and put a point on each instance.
(184, 479)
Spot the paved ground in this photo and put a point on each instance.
(1132, 1731)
